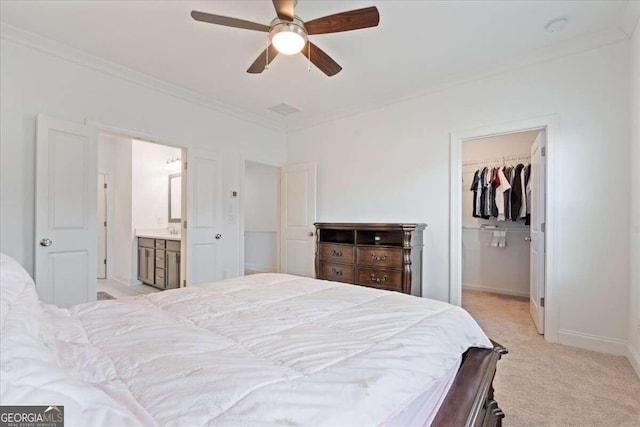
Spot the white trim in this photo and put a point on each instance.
(471, 287)
(253, 269)
(592, 342)
(634, 359)
(550, 124)
(79, 57)
(122, 282)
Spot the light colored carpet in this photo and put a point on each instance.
(542, 384)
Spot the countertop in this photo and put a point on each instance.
(165, 236)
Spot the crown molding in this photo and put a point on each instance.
(552, 53)
(79, 57)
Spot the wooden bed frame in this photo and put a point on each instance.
(470, 402)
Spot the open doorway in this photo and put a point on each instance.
(140, 234)
(261, 208)
(502, 225)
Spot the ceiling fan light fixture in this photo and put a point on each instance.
(288, 38)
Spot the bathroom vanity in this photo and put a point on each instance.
(159, 260)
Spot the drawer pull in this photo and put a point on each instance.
(336, 272)
(336, 253)
(378, 279)
(378, 257)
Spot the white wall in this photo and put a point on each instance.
(634, 297)
(33, 82)
(115, 160)
(484, 267)
(150, 184)
(392, 164)
(261, 217)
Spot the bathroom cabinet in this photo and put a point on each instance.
(159, 262)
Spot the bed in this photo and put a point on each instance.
(266, 349)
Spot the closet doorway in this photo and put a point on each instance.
(260, 197)
(502, 224)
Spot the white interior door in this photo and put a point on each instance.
(66, 212)
(203, 214)
(102, 226)
(537, 181)
(298, 213)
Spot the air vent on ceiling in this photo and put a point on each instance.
(283, 109)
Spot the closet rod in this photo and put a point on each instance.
(521, 230)
(503, 160)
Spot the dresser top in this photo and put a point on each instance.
(370, 226)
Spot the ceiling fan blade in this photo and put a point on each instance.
(321, 59)
(284, 9)
(345, 21)
(260, 63)
(228, 22)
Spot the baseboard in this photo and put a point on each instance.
(123, 282)
(593, 342)
(634, 359)
(254, 269)
(495, 290)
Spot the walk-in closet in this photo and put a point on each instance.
(503, 189)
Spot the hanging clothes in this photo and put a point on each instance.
(523, 207)
(516, 192)
(475, 184)
(501, 192)
(495, 182)
(527, 185)
(484, 180)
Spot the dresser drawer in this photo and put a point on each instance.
(337, 253)
(160, 244)
(336, 272)
(380, 257)
(390, 280)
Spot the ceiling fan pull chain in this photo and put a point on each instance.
(266, 65)
(308, 57)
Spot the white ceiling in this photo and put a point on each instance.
(418, 45)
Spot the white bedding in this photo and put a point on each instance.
(267, 349)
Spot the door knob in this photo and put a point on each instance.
(218, 236)
(527, 238)
(46, 242)
(311, 234)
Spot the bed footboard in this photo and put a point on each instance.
(470, 402)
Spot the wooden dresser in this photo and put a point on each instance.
(383, 256)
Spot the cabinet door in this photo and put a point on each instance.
(142, 264)
(173, 270)
(150, 269)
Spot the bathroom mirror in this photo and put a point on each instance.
(175, 198)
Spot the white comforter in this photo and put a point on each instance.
(266, 349)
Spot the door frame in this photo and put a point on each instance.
(136, 134)
(105, 194)
(550, 125)
(244, 158)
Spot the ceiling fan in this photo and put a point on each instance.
(288, 34)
